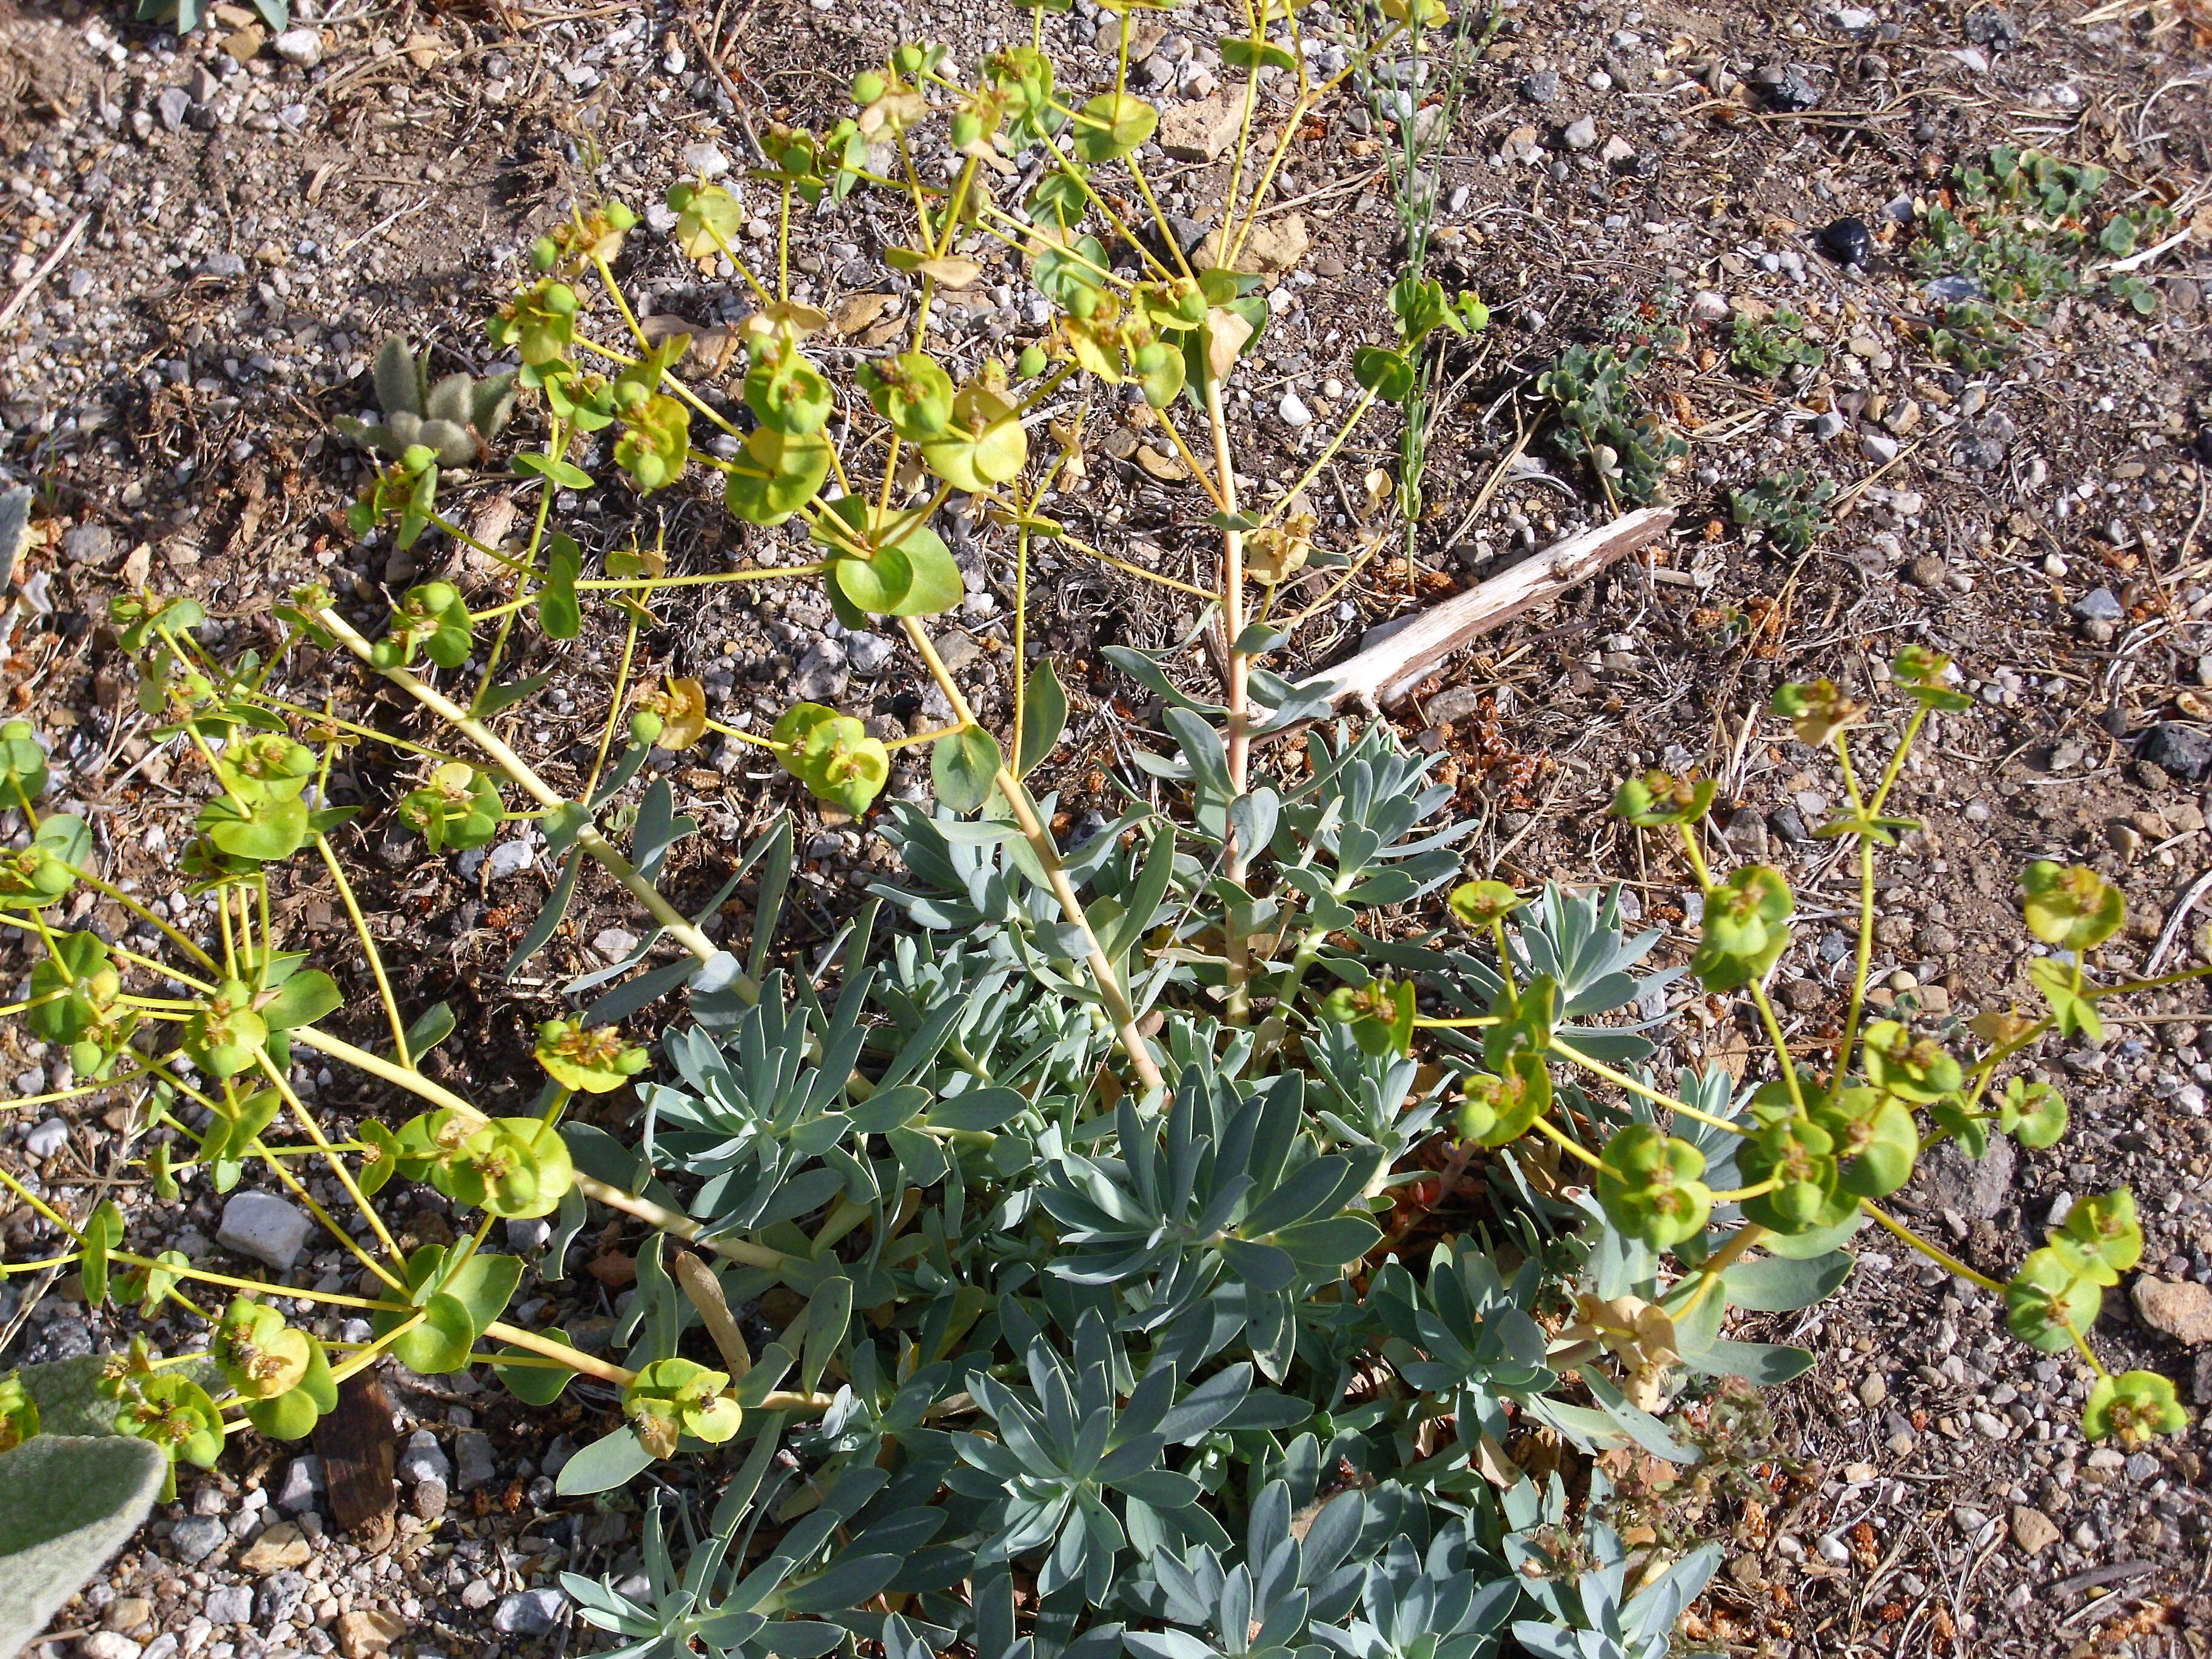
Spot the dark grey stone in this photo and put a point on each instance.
(2182, 751)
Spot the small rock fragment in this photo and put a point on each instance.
(705, 158)
(368, 1633)
(472, 1453)
(277, 1549)
(2182, 1309)
(509, 857)
(2098, 605)
(1294, 412)
(301, 46)
(264, 1227)
(1581, 134)
(197, 1537)
(301, 1485)
(2032, 1530)
(1200, 131)
(428, 1500)
(423, 1459)
(228, 1604)
(2187, 753)
(530, 1612)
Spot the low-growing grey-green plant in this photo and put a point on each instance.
(1603, 421)
(455, 417)
(67, 1504)
(1770, 346)
(1788, 508)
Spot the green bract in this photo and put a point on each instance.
(170, 1410)
(1799, 1155)
(1480, 903)
(1816, 713)
(2100, 1238)
(1648, 1182)
(1745, 928)
(912, 392)
(2073, 908)
(785, 393)
(43, 871)
(1500, 1107)
(672, 1397)
(258, 1353)
(458, 808)
(1380, 1014)
(592, 1061)
(19, 1412)
(832, 755)
(223, 1033)
(1112, 124)
(2049, 1305)
(1875, 1141)
(1925, 675)
(22, 764)
(887, 564)
(1910, 1067)
(2033, 1114)
(776, 475)
(2134, 1409)
(656, 441)
(1660, 797)
(432, 618)
(983, 444)
(511, 1167)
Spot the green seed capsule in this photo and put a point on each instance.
(544, 252)
(867, 87)
(620, 216)
(1032, 362)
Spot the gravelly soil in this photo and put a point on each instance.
(251, 229)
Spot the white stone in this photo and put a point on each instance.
(1583, 135)
(1294, 412)
(264, 1227)
(301, 46)
(614, 943)
(107, 1644)
(48, 1139)
(705, 160)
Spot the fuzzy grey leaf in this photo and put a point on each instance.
(494, 404)
(398, 381)
(454, 446)
(66, 1505)
(450, 400)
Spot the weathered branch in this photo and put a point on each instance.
(1398, 656)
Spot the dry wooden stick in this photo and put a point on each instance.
(1386, 672)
